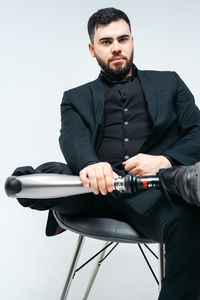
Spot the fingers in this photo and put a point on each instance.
(100, 182)
(136, 165)
(137, 172)
(130, 164)
(99, 177)
(115, 175)
(84, 178)
(145, 164)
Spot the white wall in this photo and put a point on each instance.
(44, 52)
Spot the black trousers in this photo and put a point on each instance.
(175, 223)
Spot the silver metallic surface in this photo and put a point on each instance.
(48, 185)
(70, 275)
(119, 184)
(95, 271)
(40, 186)
(161, 263)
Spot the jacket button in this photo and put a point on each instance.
(126, 157)
(126, 140)
(126, 123)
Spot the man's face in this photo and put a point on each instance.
(113, 49)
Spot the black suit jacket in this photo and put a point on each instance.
(176, 122)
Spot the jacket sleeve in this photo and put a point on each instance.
(75, 138)
(186, 150)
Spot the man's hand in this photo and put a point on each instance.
(145, 164)
(99, 177)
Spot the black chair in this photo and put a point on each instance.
(109, 230)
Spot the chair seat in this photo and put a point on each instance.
(105, 229)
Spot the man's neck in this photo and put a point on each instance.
(129, 73)
(109, 77)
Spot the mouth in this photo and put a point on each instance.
(117, 59)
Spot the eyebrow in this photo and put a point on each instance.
(110, 38)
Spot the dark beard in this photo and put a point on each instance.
(119, 73)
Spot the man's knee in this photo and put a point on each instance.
(49, 167)
(54, 167)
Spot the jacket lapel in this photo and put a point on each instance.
(147, 86)
(149, 93)
(98, 97)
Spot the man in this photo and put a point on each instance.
(131, 121)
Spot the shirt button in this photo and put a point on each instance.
(126, 109)
(126, 123)
(126, 157)
(126, 140)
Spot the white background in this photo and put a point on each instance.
(43, 47)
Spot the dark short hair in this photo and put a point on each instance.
(105, 16)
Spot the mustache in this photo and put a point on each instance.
(117, 57)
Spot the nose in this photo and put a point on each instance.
(116, 49)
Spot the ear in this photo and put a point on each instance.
(91, 49)
(132, 39)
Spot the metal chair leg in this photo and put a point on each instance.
(70, 275)
(161, 263)
(95, 271)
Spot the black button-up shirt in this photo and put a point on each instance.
(127, 123)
